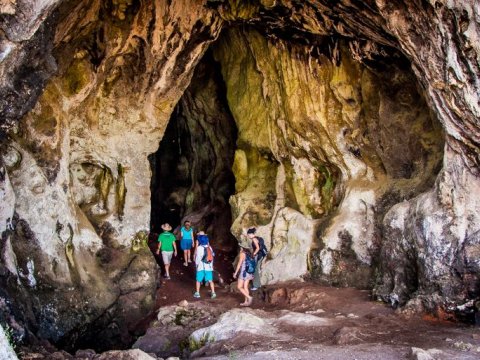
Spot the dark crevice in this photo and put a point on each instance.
(191, 171)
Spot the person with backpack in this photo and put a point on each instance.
(245, 269)
(186, 241)
(259, 252)
(204, 263)
(166, 244)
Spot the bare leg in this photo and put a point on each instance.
(240, 287)
(167, 269)
(247, 293)
(197, 286)
(212, 286)
(185, 257)
(188, 259)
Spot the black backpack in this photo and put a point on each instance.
(263, 249)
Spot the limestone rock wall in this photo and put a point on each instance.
(76, 175)
(324, 149)
(336, 158)
(440, 39)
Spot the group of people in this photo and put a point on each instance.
(196, 248)
(197, 252)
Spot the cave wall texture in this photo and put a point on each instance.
(357, 151)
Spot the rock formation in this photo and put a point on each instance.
(192, 169)
(77, 191)
(356, 152)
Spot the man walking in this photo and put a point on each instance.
(166, 244)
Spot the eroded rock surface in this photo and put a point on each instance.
(324, 131)
(77, 163)
(357, 151)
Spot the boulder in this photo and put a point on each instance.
(231, 324)
(125, 355)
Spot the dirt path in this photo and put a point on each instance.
(358, 325)
(181, 286)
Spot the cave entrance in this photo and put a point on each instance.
(192, 170)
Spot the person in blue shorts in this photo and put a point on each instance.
(186, 241)
(204, 265)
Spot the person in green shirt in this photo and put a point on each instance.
(166, 244)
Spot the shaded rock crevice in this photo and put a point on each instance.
(192, 177)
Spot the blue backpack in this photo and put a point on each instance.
(250, 264)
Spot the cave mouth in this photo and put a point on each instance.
(192, 176)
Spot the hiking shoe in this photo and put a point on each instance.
(254, 289)
(196, 295)
(213, 296)
(185, 264)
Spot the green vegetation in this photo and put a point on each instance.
(9, 333)
(139, 241)
(179, 316)
(327, 188)
(195, 345)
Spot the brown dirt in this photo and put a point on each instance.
(359, 321)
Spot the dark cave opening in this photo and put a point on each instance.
(192, 170)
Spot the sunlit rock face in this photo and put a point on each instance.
(356, 155)
(324, 149)
(440, 39)
(76, 174)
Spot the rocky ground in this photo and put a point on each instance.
(297, 320)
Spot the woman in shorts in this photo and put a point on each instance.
(186, 242)
(244, 276)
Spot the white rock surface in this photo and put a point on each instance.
(232, 323)
(135, 354)
(6, 351)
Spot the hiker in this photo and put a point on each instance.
(186, 241)
(259, 253)
(203, 239)
(204, 264)
(166, 243)
(153, 246)
(245, 270)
